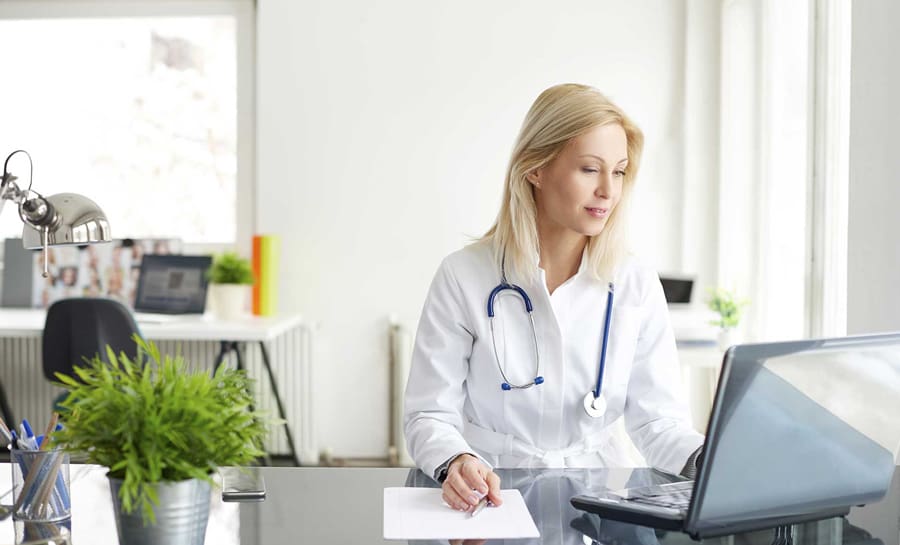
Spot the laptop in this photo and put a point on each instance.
(171, 287)
(799, 431)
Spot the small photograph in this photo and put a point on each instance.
(68, 276)
(93, 288)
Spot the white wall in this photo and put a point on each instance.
(873, 254)
(383, 133)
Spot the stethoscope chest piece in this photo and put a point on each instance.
(595, 407)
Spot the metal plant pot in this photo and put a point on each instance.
(181, 515)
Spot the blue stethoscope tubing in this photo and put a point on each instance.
(594, 401)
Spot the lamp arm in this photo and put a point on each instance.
(8, 178)
(10, 189)
(34, 209)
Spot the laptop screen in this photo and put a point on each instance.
(799, 427)
(172, 284)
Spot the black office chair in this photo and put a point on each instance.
(5, 410)
(83, 327)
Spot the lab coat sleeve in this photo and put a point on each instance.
(656, 415)
(435, 391)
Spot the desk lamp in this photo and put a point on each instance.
(58, 220)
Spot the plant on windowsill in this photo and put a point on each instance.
(730, 309)
(230, 276)
(162, 431)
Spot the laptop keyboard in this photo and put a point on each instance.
(674, 495)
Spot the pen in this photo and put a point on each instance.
(482, 503)
(27, 436)
(5, 431)
(26, 427)
(50, 427)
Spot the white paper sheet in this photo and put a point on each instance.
(420, 513)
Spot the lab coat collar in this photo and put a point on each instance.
(582, 269)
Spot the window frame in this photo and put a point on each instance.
(244, 12)
(829, 185)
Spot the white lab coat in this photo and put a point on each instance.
(454, 402)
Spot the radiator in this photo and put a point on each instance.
(401, 353)
(31, 395)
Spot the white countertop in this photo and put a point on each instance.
(22, 322)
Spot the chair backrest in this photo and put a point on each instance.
(83, 327)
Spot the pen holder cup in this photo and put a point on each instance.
(40, 485)
(56, 533)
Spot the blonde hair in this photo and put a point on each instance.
(559, 114)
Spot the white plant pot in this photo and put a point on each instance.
(228, 301)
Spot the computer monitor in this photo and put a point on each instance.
(172, 284)
(677, 290)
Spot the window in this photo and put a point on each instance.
(137, 110)
(764, 176)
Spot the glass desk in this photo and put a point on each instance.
(344, 505)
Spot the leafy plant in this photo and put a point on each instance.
(150, 420)
(727, 305)
(230, 268)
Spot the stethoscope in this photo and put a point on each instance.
(594, 400)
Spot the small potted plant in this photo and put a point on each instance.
(230, 276)
(729, 309)
(162, 431)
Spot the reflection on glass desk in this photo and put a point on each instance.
(344, 505)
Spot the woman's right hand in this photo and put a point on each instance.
(468, 480)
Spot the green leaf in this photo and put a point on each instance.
(230, 268)
(727, 305)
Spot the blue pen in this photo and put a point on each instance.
(27, 435)
(22, 440)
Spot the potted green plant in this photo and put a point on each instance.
(230, 276)
(729, 308)
(162, 431)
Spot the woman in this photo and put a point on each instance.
(542, 389)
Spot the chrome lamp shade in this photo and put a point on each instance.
(78, 221)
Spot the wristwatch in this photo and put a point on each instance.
(440, 474)
(693, 462)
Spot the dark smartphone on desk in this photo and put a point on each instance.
(242, 484)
